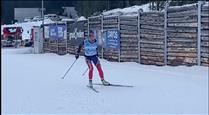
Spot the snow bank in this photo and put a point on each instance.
(25, 50)
(128, 10)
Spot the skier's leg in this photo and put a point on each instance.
(90, 66)
(99, 68)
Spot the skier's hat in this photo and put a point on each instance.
(91, 33)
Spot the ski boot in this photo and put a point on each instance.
(105, 82)
(90, 84)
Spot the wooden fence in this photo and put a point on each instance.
(175, 36)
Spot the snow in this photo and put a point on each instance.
(32, 84)
(27, 26)
(128, 10)
(206, 4)
(82, 18)
(67, 19)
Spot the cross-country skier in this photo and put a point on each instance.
(90, 45)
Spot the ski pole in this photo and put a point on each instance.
(85, 72)
(69, 69)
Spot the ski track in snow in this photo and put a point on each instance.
(32, 84)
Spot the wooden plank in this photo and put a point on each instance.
(149, 62)
(205, 64)
(131, 18)
(128, 32)
(110, 26)
(205, 19)
(182, 44)
(205, 14)
(128, 19)
(204, 26)
(111, 20)
(183, 13)
(94, 22)
(125, 44)
(142, 53)
(132, 23)
(186, 19)
(129, 53)
(130, 28)
(205, 8)
(129, 56)
(128, 36)
(178, 39)
(129, 59)
(152, 58)
(152, 14)
(146, 18)
(204, 49)
(205, 33)
(182, 8)
(206, 39)
(152, 50)
(110, 17)
(206, 44)
(183, 60)
(152, 23)
(181, 50)
(151, 36)
(151, 42)
(152, 27)
(185, 54)
(128, 40)
(181, 29)
(153, 32)
(181, 35)
(151, 46)
(183, 24)
(206, 55)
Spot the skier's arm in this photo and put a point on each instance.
(80, 47)
(79, 50)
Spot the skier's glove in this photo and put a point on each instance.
(76, 56)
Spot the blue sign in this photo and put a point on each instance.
(112, 39)
(57, 31)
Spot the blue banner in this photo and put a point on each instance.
(112, 39)
(57, 31)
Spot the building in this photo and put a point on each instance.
(21, 13)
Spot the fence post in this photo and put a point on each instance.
(199, 34)
(66, 36)
(119, 41)
(57, 42)
(165, 33)
(88, 27)
(102, 36)
(138, 23)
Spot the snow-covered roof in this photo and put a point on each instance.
(128, 10)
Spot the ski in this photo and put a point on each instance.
(115, 85)
(93, 89)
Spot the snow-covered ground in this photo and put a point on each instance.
(32, 84)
